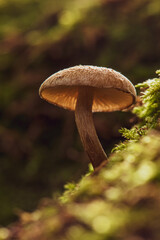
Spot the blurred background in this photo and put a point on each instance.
(40, 149)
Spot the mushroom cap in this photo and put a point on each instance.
(111, 90)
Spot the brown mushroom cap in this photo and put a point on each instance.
(111, 90)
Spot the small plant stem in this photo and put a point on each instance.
(86, 128)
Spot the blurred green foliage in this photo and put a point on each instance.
(39, 146)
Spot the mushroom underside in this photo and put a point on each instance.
(104, 99)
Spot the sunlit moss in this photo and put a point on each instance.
(107, 222)
(113, 193)
(130, 158)
(101, 215)
(145, 172)
(112, 174)
(88, 212)
(101, 224)
(85, 189)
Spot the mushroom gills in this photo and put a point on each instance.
(105, 99)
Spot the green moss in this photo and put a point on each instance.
(148, 112)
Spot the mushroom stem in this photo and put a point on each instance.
(86, 128)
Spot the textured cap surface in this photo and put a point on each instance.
(112, 91)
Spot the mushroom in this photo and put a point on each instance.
(87, 89)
